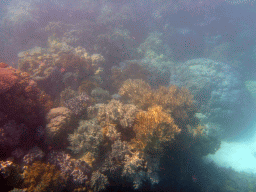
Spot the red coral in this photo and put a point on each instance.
(3, 65)
(22, 101)
(7, 79)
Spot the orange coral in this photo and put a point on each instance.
(178, 102)
(42, 177)
(154, 128)
(138, 91)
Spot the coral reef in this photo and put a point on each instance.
(115, 112)
(7, 79)
(154, 128)
(113, 164)
(34, 154)
(178, 102)
(75, 171)
(215, 86)
(73, 63)
(100, 95)
(10, 134)
(10, 174)
(66, 95)
(87, 86)
(40, 61)
(43, 177)
(78, 104)
(3, 65)
(114, 92)
(59, 66)
(99, 181)
(86, 138)
(59, 124)
(157, 57)
(128, 70)
(135, 169)
(138, 91)
(20, 98)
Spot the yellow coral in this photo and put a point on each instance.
(154, 128)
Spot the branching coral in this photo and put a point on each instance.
(76, 171)
(118, 115)
(153, 129)
(99, 181)
(135, 169)
(66, 95)
(86, 138)
(138, 91)
(178, 102)
(115, 112)
(114, 162)
(34, 154)
(78, 104)
(42, 177)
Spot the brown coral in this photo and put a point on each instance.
(154, 128)
(42, 177)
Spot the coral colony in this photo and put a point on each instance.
(120, 96)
